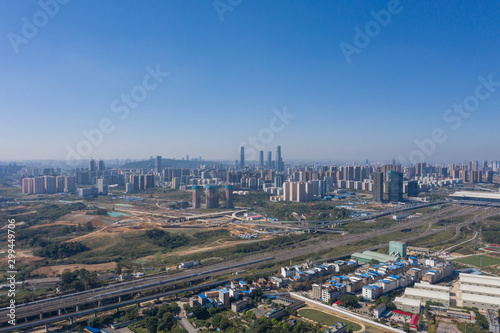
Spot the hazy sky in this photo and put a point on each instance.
(231, 63)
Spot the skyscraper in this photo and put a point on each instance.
(242, 156)
(196, 196)
(92, 165)
(395, 182)
(100, 165)
(261, 158)
(279, 162)
(378, 186)
(212, 195)
(158, 167)
(229, 196)
(269, 159)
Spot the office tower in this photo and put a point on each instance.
(358, 173)
(101, 166)
(176, 182)
(413, 188)
(378, 187)
(421, 169)
(27, 185)
(261, 158)
(489, 176)
(59, 184)
(49, 184)
(69, 184)
(269, 159)
(242, 156)
(187, 157)
(279, 161)
(102, 186)
(278, 181)
(158, 167)
(212, 196)
(348, 173)
(146, 181)
(92, 165)
(196, 196)
(395, 182)
(134, 179)
(229, 196)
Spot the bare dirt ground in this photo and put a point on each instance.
(55, 270)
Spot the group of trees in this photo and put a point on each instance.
(52, 212)
(166, 239)
(162, 319)
(79, 280)
(39, 236)
(55, 250)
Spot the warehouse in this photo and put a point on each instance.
(433, 287)
(407, 304)
(367, 256)
(480, 280)
(481, 302)
(480, 290)
(428, 295)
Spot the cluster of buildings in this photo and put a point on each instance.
(48, 184)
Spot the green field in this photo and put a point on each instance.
(478, 260)
(327, 319)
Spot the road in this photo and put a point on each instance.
(282, 254)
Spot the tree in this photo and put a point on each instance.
(151, 324)
(212, 311)
(406, 327)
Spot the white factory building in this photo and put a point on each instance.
(480, 291)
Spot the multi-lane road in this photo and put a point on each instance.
(99, 295)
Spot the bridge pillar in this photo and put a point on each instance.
(46, 327)
(99, 303)
(71, 320)
(138, 304)
(41, 315)
(94, 314)
(59, 312)
(77, 307)
(119, 299)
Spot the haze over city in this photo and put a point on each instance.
(352, 97)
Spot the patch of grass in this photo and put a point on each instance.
(477, 260)
(327, 319)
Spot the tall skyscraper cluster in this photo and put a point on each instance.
(277, 164)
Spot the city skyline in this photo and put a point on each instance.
(212, 80)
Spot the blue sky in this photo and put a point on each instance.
(227, 76)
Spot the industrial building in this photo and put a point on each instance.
(480, 291)
(408, 304)
(397, 249)
(425, 295)
(367, 256)
(477, 196)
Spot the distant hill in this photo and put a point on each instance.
(166, 163)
